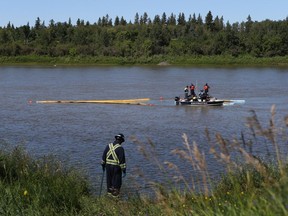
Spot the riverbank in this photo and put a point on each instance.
(251, 186)
(225, 60)
(46, 187)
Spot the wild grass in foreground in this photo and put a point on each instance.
(38, 187)
(249, 187)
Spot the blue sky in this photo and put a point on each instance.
(20, 12)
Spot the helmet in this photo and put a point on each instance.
(120, 136)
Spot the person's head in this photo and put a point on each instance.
(120, 137)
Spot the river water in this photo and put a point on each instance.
(78, 133)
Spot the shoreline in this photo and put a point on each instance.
(161, 61)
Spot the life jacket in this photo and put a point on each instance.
(192, 87)
(112, 158)
(205, 87)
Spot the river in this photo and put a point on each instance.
(78, 133)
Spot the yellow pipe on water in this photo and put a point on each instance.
(125, 101)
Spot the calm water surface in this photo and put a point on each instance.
(78, 133)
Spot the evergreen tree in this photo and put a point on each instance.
(181, 19)
(248, 24)
(26, 31)
(136, 20)
(99, 23)
(156, 20)
(78, 22)
(199, 20)
(164, 19)
(123, 22)
(218, 24)
(171, 20)
(69, 22)
(209, 21)
(37, 24)
(162, 36)
(117, 21)
(145, 18)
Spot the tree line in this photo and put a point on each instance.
(145, 37)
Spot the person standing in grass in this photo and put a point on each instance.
(113, 160)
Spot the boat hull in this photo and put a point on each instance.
(201, 103)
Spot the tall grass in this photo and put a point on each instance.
(251, 185)
(38, 187)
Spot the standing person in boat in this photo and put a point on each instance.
(206, 88)
(113, 160)
(192, 90)
(186, 92)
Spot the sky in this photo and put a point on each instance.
(20, 12)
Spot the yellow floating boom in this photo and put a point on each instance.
(127, 101)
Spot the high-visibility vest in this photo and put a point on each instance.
(111, 156)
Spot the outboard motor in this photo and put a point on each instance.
(177, 99)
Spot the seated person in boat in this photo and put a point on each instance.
(203, 96)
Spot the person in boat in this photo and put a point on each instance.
(203, 95)
(186, 92)
(113, 160)
(192, 90)
(206, 88)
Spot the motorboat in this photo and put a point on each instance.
(199, 101)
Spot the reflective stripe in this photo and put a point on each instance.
(123, 166)
(111, 152)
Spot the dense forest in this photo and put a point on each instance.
(145, 37)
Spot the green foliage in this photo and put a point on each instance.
(196, 60)
(164, 35)
(38, 187)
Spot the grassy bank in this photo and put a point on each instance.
(155, 60)
(41, 187)
(252, 186)
(38, 187)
